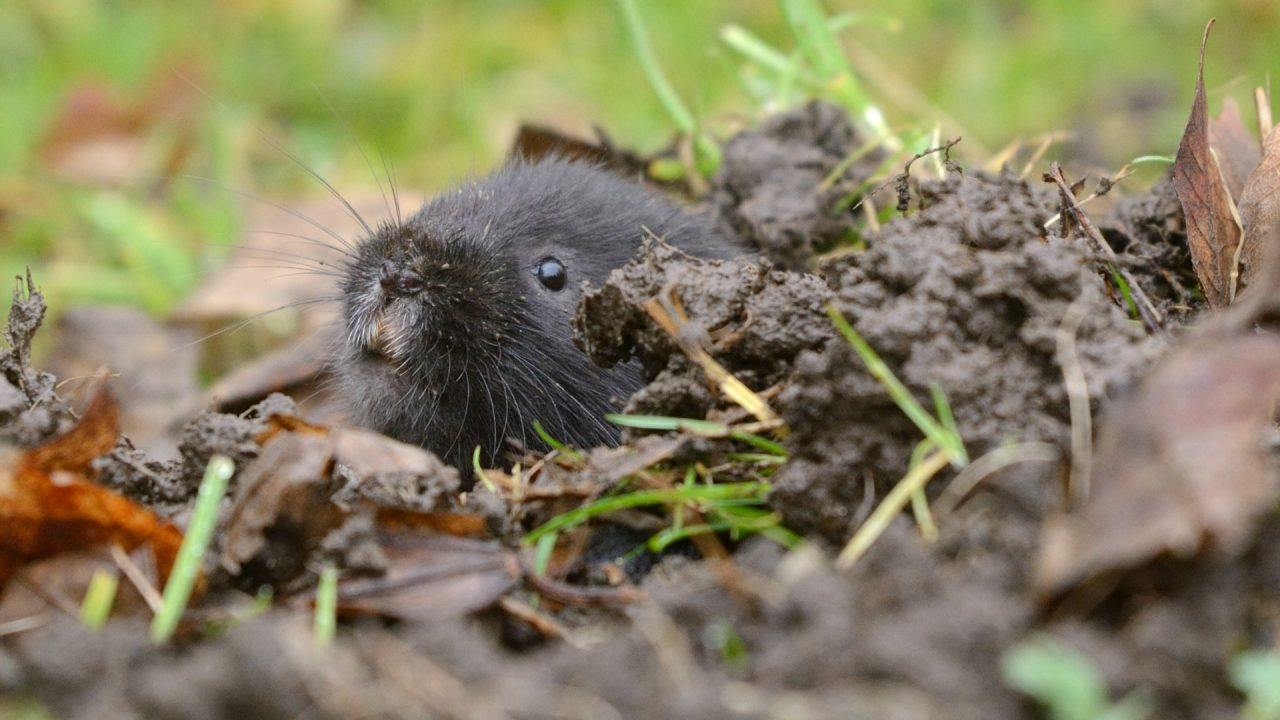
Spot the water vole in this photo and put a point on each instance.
(456, 321)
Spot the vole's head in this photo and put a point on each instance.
(456, 322)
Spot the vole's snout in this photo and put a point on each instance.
(398, 280)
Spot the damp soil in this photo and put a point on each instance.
(967, 293)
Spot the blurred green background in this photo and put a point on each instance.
(108, 107)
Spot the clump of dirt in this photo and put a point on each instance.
(170, 485)
(30, 409)
(1149, 232)
(968, 296)
(752, 317)
(780, 185)
(1169, 631)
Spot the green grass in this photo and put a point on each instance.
(735, 508)
(440, 87)
(705, 495)
(1067, 684)
(1256, 673)
(190, 561)
(12, 708)
(940, 431)
(325, 622)
(95, 608)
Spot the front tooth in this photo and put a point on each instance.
(378, 336)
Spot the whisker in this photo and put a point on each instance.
(305, 238)
(360, 148)
(297, 271)
(303, 260)
(257, 316)
(347, 248)
(390, 172)
(280, 148)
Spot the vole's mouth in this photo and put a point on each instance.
(377, 345)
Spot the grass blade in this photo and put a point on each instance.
(98, 599)
(901, 396)
(326, 619)
(186, 569)
(889, 508)
(751, 491)
(675, 107)
(659, 422)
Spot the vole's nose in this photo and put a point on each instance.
(397, 279)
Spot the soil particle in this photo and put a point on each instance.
(772, 187)
(136, 474)
(966, 295)
(752, 317)
(260, 669)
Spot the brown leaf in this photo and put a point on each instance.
(292, 369)
(1179, 468)
(447, 523)
(95, 137)
(1235, 146)
(430, 577)
(369, 454)
(1260, 209)
(1212, 234)
(533, 142)
(92, 437)
(48, 506)
(63, 581)
(283, 507)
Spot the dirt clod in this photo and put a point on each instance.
(30, 409)
(966, 295)
(774, 189)
(752, 317)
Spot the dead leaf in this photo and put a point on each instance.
(432, 577)
(610, 465)
(456, 524)
(534, 142)
(62, 581)
(369, 454)
(90, 438)
(1212, 234)
(1180, 468)
(96, 138)
(311, 480)
(1260, 209)
(314, 486)
(1235, 146)
(283, 508)
(292, 369)
(48, 506)
(387, 471)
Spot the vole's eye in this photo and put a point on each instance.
(551, 273)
